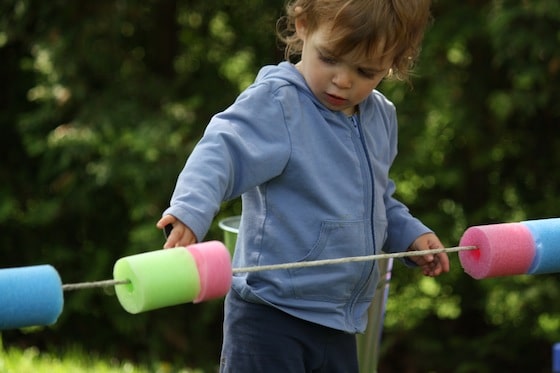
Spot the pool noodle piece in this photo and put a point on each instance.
(30, 296)
(546, 235)
(503, 250)
(158, 279)
(556, 358)
(213, 261)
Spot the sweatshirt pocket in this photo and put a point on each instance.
(337, 239)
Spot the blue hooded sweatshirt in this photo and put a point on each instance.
(314, 185)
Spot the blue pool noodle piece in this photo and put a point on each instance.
(30, 296)
(556, 358)
(546, 236)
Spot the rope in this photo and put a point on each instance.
(311, 263)
(94, 284)
(366, 258)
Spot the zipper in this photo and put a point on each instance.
(356, 123)
(357, 126)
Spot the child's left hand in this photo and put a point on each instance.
(432, 264)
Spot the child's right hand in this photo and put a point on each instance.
(180, 235)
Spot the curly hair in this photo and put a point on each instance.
(362, 26)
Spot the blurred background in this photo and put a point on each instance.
(102, 101)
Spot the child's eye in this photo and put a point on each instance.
(367, 74)
(371, 74)
(327, 59)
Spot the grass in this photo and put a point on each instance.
(31, 360)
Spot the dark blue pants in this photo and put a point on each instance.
(259, 338)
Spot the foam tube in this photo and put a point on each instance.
(30, 296)
(158, 279)
(503, 250)
(213, 261)
(546, 235)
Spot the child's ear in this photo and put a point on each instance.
(301, 24)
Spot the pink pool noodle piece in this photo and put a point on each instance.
(213, 261)
(503, 250)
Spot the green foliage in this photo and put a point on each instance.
(31, 360)
(103, 101)
(478, 146)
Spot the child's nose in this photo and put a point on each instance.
(342, 78)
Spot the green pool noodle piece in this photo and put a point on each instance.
(158, 279)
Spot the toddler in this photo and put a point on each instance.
(308, 147)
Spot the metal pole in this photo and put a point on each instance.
(369, 343)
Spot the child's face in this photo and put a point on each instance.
(340, 83)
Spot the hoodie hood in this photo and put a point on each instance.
(287, 72)
(284, 71)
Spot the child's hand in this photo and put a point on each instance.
(180, 235)
(433, 264)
